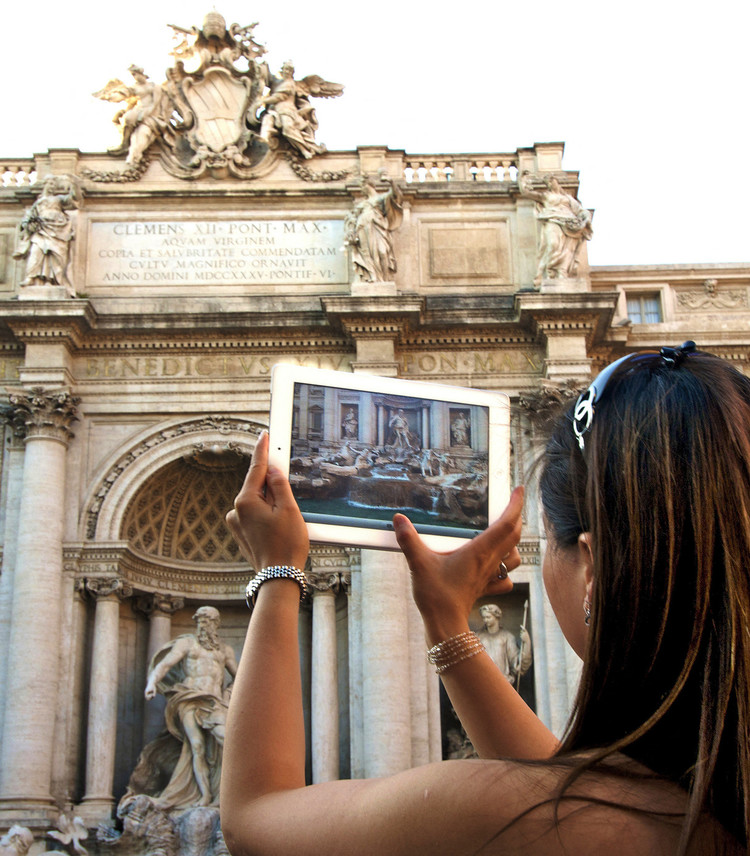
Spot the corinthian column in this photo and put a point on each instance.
(385, 663)
(324, 694)
(101, 734)
(159, 608)
(33, 651)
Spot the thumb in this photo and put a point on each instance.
(278, 486)
(408, 538)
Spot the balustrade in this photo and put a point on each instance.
(17, 173)
(419, 169)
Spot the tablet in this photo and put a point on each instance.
(358, 448)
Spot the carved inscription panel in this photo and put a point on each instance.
(477, 253)
(216, 252)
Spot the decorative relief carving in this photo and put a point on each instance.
(324, 583)
(103, 587)
(222, 424)
(188, 582)
(148, 604)
(304, 172)
(543, 403)
(179, 512)
(227, 115)
(38, 412)
(711, 297)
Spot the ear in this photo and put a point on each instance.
(586, 558)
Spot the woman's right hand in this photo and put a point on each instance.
(266, 521)
(447, 585)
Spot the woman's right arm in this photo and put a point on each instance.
(446, 586)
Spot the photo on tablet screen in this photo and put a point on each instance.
(357, 455)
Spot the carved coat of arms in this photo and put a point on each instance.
(225, 115)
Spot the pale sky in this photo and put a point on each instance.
(650, 96)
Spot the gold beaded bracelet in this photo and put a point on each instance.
(451, 651)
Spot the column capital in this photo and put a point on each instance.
(107, 587)
(156, 602)
(323, 583)
(39, 412)
(346, 582)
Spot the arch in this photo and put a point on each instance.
(118, 480)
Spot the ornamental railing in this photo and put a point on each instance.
(489, 167)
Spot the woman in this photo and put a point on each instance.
(646, 493)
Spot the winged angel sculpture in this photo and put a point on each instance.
(220, 108)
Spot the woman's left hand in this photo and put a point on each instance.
(266, 521)
(447, 585)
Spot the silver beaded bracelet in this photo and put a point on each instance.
(275, 572)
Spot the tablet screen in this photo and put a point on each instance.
(359, 449)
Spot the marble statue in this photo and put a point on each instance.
(512, 660)
(400, 426)
(460, 429)
(70, 833)
(368, 229)
(566, 224)
(16, 842)
(146, 828)
(145, 116)
(46, 232)
(287, 111)
(350, 425)
(189, 672)
(216, 44)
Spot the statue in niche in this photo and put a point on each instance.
(566, 224)
(350, 425)
(287, 111)
(145, 116)
(46, 232)
(460, 429)
(400, 427)
(512, 659)
(189, 672)
(368, 229)
(16, 842)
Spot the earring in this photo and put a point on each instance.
(586, 611)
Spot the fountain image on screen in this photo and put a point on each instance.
(360, 456)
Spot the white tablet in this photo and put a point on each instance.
(358, 448)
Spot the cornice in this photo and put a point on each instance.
(68, 321)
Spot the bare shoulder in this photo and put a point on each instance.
(499, 808)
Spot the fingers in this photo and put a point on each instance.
(501, 537)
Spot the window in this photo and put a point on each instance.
(644, 308)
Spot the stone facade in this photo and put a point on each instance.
(138, 384)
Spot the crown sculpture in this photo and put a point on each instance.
(228, 116)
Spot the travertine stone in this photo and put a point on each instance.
(386, 663)
(46, 233)
(33, 667)
(101, 733)
(565, 225)
(324, 702)
(159, 608)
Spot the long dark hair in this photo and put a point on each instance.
(663, 486)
